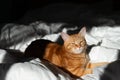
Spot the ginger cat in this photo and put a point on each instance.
(70, 56)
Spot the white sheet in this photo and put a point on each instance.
(33, 70)
(107, 51)
(108, 36)
(106, 40)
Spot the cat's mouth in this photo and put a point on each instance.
(78, 50)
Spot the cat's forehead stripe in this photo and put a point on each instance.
(76, 36)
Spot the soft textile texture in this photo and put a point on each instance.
(103, 39)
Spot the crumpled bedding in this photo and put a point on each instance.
(103, 40)
(32, 70)
(14, 36)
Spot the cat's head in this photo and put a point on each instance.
(75, 43)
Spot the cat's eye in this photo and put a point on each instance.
(82, 43)
(72, 43)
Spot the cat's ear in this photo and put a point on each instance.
(64, 36)
(83, 31)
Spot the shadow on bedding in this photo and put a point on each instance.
(4, 68)
(112, 72)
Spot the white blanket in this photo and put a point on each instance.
(106, 46)
(33, 70)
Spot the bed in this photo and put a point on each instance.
(103, 37)
(103, 46)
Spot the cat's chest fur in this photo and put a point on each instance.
(72, 60)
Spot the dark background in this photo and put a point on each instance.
(15, 10)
